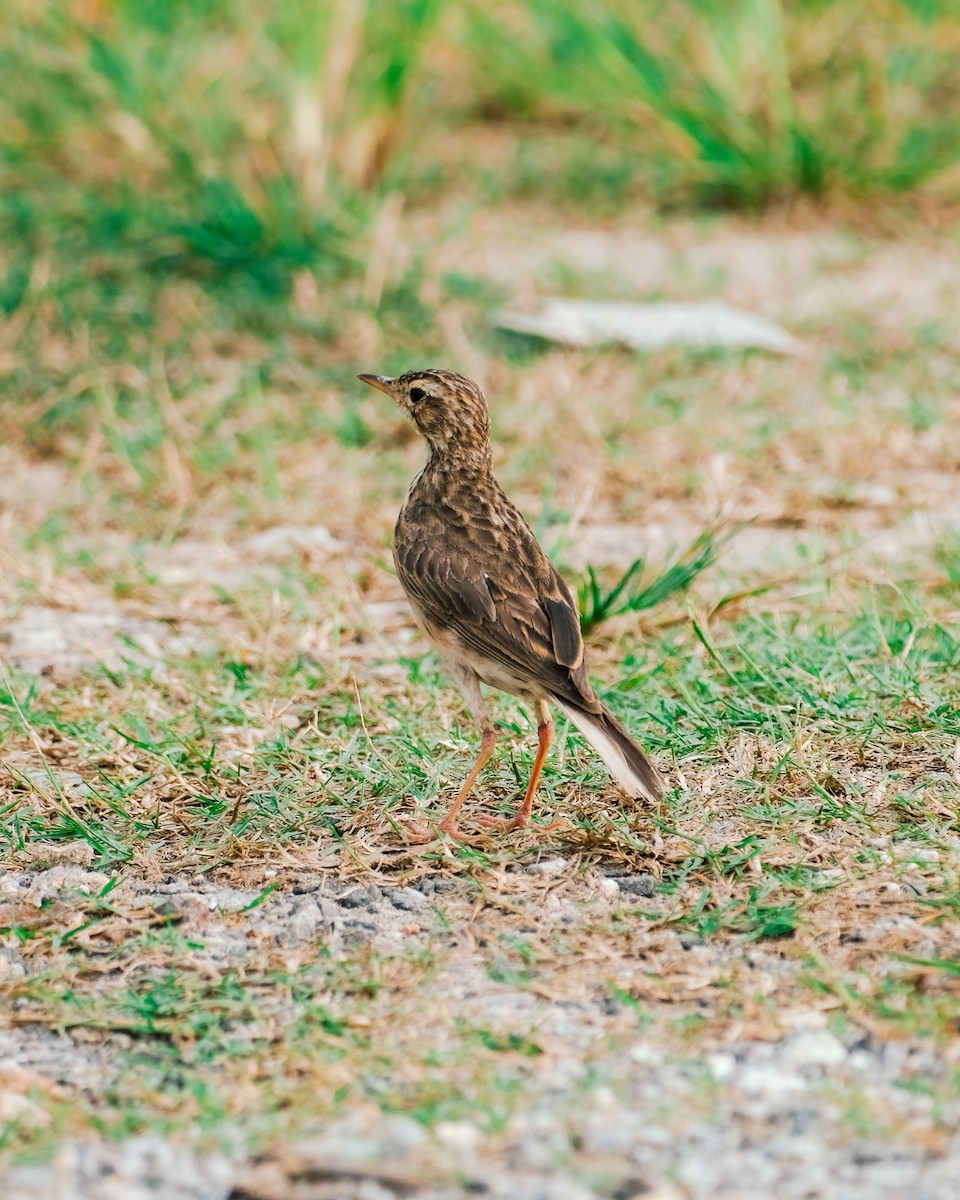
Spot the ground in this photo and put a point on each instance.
(225, 970)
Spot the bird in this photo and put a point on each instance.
(488, 598)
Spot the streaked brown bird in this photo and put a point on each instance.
(486, 595)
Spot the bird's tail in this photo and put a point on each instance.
(622, 757)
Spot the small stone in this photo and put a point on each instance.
(303, 924)
(305, 887)
(721, 1064)
(406, 899)
(645, 1054)
(757, 1081)
(603, 1099)
(230, 899)
(803, 1018)
(689, 941)
(356, 932)
(458, 1135)
(608, 888)
(549, 866)
(925, 854)
(862, 1060)
(814, 1048)
(65, 879)
(608, 1136)
(401, 1134)
(15, 1108)
(431, 884)
(638, 885)
(60, 854)
(11, 964)
(283, 540)
(363, 897)
(631, 1189)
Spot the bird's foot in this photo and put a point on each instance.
(503, 824)
(421, 835)
(452, 829)
(417, 834)
(519, 821)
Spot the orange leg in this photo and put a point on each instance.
(522, 815)
(449, 823)
(487, 743)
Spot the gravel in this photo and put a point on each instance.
(364, 897)
(610, 1113)
(141, 1168)
(636, 885)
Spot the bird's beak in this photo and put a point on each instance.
(381, 382)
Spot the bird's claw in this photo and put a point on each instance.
(421, 835)
(417, 834)
(502, 824)
(518, 821)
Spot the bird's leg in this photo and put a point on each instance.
(487, 742)
(449, 823)
(522, 815)
(470, 686)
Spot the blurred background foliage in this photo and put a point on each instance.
(250, 137)
(243, 145)
(201, 137)
(745, 101)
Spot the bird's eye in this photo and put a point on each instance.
(417, 394)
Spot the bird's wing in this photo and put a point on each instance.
(511, 608)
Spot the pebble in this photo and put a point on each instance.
(400, 1135)
(814, 1048)
(11, 964)
(436, 885)
(549, 866)
(631, 1189)
(637, 885)
(459, 1135)
(230, 899)
(61, 854)
(16, 1109)
(359, 931)
(47, 884)
(721, 1065)
(803, 1018)
(760, 1079)
(608, 1136)
(406, 899)
(283, 540)
(304, 924)
(362, 897)
(519, 1186)
(645, 1054)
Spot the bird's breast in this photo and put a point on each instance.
(472, 528)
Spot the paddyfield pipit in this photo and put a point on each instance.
(486, 595)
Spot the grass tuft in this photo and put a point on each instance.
(631, 594)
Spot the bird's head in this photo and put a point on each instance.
(448, 409)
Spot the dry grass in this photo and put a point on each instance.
(210, 672)
(215, 715)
